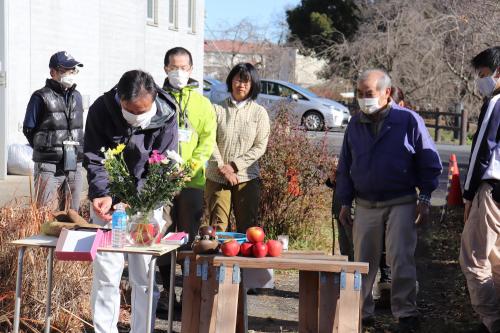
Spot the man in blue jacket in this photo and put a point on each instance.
(140, 115)
(480, 246)
(387, 154)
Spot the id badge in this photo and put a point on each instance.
(69, 155)
(185, 135)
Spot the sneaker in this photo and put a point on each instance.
(409, 324)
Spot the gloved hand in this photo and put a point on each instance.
(495, 193)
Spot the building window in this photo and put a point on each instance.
(192, 15)
(152, 12)
(172, 14)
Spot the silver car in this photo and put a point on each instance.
(209, 83)
(313, 112)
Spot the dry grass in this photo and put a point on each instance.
(71, 284)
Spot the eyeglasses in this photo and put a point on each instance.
(243, 83)
(182, 68)
(62, 70)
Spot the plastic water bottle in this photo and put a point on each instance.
(119, 226)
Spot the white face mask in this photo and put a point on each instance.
(139, 120)
(68, 80)
(178, 78)
(486, 85)
(368, 105)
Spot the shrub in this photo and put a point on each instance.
(294, 200)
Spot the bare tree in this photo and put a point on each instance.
(425, 45)
(247, 42)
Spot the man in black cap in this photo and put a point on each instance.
(53, 125)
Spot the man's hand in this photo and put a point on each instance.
(468, 205)
(102, 206)
(345, 216)
(422, 213)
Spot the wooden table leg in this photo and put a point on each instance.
(242, 319)
(308, 301)
(209, 297)
(349, 303)
(191, 296)
(227, 301)
(329, 292)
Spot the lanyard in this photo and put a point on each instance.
(183, 112)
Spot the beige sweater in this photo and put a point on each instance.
(242, 135)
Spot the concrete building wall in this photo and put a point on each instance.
(108, 37)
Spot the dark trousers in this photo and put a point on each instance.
(184, 215)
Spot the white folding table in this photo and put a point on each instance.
(50, 242)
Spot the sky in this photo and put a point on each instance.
(221, 14)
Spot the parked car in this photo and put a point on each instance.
(209, 84)
(313, 112)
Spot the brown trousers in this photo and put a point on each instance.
(480, 256)
(243, 199)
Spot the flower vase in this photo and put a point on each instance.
(143, 229)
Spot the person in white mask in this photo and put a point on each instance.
(197, 128)
(53, 125)
(480, 245)
(390, 167)
(140, 115)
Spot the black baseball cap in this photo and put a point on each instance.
(63, 59)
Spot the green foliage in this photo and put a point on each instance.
(166, 176)
(320, 23)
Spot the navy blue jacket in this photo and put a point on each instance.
(401, 158)
(485, 147)
(107, 128)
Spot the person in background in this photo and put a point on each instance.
(141, 115)
(397, 96)
(197, 127)
(480, 245)
(53, 125)
(387, 154)
(233, 181)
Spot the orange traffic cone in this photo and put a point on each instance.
(454, 197)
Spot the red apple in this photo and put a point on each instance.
(255, 234)
(274, 248)
(259, 250)
(246, 249)
(230, 248)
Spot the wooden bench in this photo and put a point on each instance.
(214, 301)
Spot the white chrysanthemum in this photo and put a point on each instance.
(174, 156)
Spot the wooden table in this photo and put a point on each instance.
(214, 300)
(49, 242)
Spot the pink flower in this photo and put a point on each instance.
(156, 157)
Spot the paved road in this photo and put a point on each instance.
(334, 141)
